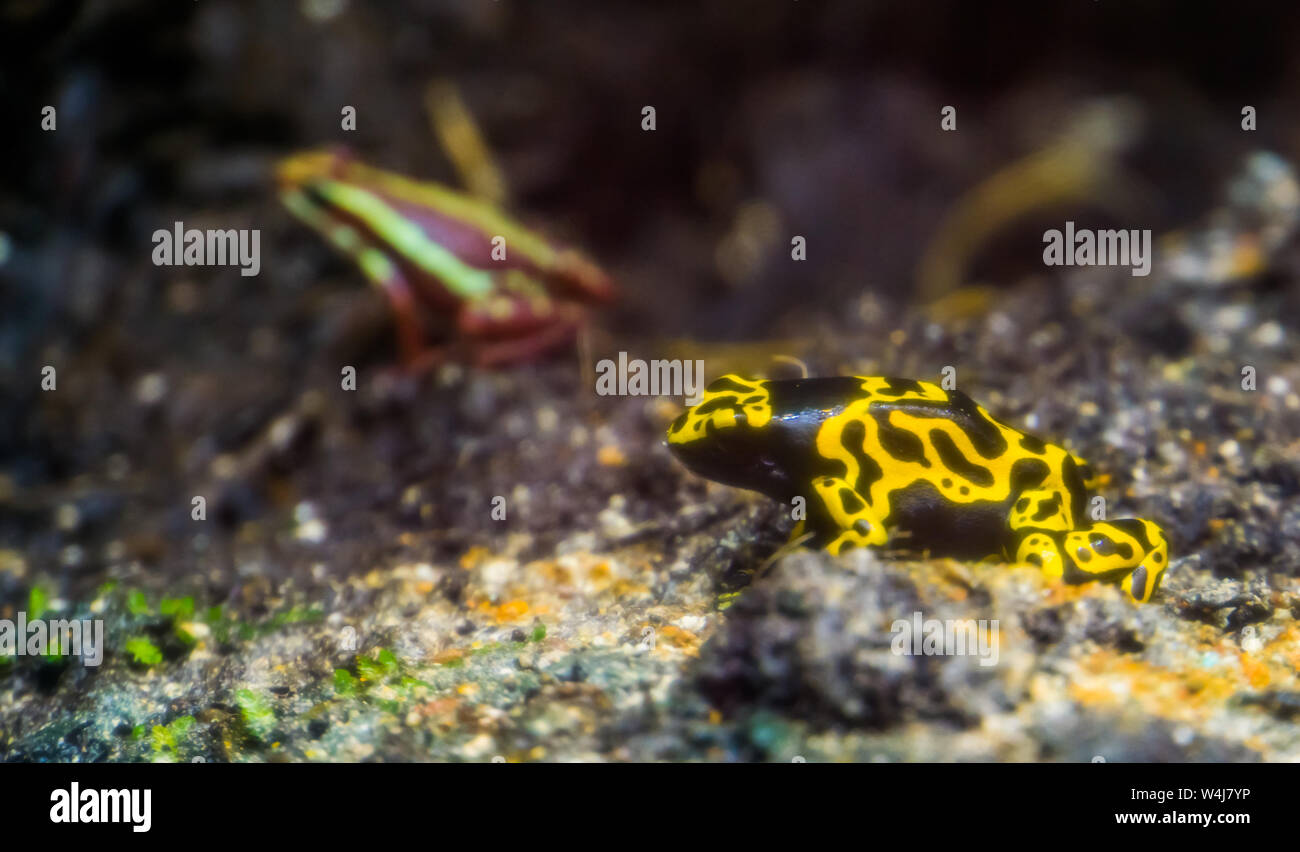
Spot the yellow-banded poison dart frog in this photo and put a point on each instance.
(873, 455)
(456, 269)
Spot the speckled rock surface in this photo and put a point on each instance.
(351, 591)
(586, 624)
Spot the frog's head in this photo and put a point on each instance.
(725, 436)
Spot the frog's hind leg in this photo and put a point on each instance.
(1041, 509)
(523, 332)
(1132, 552)
(847, 519)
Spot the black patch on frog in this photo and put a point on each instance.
(725, 385)
(901, 444)
(1022, 504)
(851, 502)
(960, 410)
(1048, 508)
(953, 460)
(718, 405)
(853, 438)
(1034, 445)
(1137, 530)
(1028, 474)
(899, 387)
(1104, 545)
(983, 433)
(1073, 483)
(1139, 580)
(680, 421)
(815, 399)
(945, 528)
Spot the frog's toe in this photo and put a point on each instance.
(1141, 584)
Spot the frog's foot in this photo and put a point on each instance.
(1040, 508)
(857, 523)
(1132, 552)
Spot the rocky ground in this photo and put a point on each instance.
(348, 592)
(352, 597)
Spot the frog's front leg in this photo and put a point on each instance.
(1131, 551)
(842, 518)
(377, 266)
(411, 336)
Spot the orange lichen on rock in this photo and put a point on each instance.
(510, 610)
(474, 557)
(448, 655)
(611, 456)
(1187, 693)
(676, 636)
(1256, 672)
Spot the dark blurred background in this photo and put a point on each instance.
(824, 110)
(774, 118)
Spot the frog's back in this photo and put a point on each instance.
(936, 462)
(823, 398)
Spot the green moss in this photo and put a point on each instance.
(38, 603)
(378, 668)
(143, 651)
(256, 712)
(345, 683)
(179, 609)
(539, 633)
(382, 667)
(215, 617)
(246, 631)
(296, 614)
(168, 739)
(137, 604)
